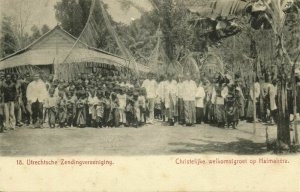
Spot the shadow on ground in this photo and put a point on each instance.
(240, 147)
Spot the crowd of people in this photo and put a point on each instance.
(110, 100)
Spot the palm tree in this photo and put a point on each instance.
(265, 14)
(274, 14)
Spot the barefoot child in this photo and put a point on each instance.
(50, 106)
(100, 109)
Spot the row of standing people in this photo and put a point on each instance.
(80, 103)
(116, 101)
(188, 101)
(222, 102)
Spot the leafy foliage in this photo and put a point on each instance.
(10, 41)
(177, 35)
(73, 16)
(7, 42)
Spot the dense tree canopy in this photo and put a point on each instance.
(72, 15)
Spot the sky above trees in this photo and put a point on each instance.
(42, 11)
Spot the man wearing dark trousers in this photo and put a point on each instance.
(9, 96)
(36, 95)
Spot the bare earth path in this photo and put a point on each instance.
(148, 140)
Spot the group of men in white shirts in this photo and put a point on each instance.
(182, 98)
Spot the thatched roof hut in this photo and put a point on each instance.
(55, 46)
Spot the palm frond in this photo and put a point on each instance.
(216, 8)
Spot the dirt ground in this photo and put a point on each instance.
(154, 139)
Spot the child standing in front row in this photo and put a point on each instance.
(50, 111)
(122, 105)
(141, 116)
(107, 108)
(115, 115)
(100, 109)
(71, 109)
(92, 102)
(130, 109)
(80, 110)
(62, 111)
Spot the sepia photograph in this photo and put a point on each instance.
(127, 78)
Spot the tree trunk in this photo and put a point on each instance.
(167, 28)
(283, 130)
(253, 50)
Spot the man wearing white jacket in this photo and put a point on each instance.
(189, 97)
(171, 99)
(200, 95)
(150, 85)
(36, 96)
